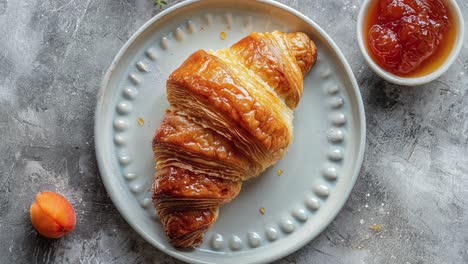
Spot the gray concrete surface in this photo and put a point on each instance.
(53, 53)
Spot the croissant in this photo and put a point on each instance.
(230, 118)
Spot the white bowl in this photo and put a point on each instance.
(412, 81)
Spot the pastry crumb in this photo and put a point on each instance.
(376, 227)
(223, 35)
(280, 172)
(262, 210)
(141, 122)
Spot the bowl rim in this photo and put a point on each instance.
(412, 81)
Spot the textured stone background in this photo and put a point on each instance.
(53, 54)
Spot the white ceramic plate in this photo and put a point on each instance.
(319, 170)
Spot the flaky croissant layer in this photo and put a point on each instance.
(230, 118)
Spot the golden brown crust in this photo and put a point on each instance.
(259, 53)
(230, 119)
(176, 182)
(209, 79)
(186, 228)
(302, 48)
(210, 152)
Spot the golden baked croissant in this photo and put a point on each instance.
(230, 118)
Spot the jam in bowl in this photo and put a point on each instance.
(410, 42)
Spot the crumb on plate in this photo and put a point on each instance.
(141, 122)
(223, 35)
(262, 210)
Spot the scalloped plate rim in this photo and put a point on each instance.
(105, 167)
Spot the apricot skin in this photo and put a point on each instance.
(52, 215)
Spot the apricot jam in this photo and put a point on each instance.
(409, 38)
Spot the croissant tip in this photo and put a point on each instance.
(304, 49)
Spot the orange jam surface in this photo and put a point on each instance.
(409, 38)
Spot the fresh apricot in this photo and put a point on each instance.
(52, 215)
